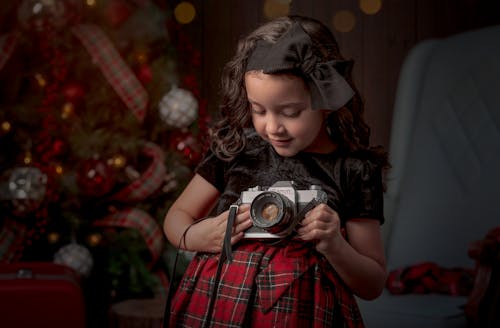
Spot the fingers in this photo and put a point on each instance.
(319, 223)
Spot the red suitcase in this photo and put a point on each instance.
(40, 294)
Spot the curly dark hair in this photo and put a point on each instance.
(346, 126)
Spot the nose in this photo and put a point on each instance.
(274, 125)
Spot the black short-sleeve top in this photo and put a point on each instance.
(353, 183)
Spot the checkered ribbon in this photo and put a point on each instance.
(12, 237)
(150, 180)
(118, 74)
(135, 218)
(7, 45)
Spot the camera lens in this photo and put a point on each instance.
(272, 212)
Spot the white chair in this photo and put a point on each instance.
(444, 188)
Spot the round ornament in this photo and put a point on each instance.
(95, 177)
(178, 108)
(76, 257)
(27, 187)
(74, 91)
(40, 15)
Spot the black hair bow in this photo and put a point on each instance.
(293, 52)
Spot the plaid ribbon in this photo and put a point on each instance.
(7, 45)
(12, 238)
(149, 181)
(137, 219)
(119, 75)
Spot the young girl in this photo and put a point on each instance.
(289, 112)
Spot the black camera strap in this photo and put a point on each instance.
(226, 254)
(309, 206)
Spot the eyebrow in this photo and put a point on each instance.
(280, 106)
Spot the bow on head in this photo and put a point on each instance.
(293, 51)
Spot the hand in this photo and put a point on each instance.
(321, 225)
(211, 231)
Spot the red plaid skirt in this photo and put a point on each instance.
(287, 285)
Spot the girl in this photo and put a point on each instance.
(289, 112)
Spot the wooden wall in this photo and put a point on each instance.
(378, 43)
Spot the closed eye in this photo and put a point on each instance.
(291, 112)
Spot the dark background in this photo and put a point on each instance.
(378, 43)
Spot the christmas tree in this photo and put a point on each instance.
(101, 122)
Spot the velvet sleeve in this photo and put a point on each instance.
(211, 168)
(364, 196)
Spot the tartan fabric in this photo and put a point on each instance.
(7, 45)
(140, 220)
(149, 181)
(119, 75)
(265, 286)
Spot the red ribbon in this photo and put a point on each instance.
(149, 181)
(120, 76)
(143, 222)
(107, 58)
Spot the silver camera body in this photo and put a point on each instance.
(275, 211)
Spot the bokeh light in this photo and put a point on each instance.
(344, 21)
(40, 80)
(370, 7)
(53, 237)
(276, 8)
(6, 126)
(184, 12)
(67, 110)
(58, 168)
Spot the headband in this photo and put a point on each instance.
(293, 51)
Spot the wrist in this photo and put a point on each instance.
(188, 238)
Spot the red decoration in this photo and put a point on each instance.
(144, 73)
(188, 145)
(74, 91)
(117, 12)
(95, 177)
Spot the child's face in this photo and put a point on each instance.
(281, 114)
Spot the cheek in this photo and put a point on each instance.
(257, 123)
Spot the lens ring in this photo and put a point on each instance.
(272, 211)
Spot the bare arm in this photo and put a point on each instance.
(194, 203)
(360, 262)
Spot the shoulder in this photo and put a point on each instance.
(362, 161)
(361, 167)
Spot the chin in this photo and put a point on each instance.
(286, 152)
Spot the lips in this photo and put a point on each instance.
(280, 142)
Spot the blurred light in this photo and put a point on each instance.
(27, 158)
(276, 8)
(6, 126)
(40, 80)
(94, 239)
(53, 237)
(344, 21)
(91, 3)
(67, 110)
(184, 12)
(59, 169)
(141, 57)
(370, 7)
(117, 161)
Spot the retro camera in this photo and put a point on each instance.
(275, 211)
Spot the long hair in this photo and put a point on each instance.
(346, 126)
